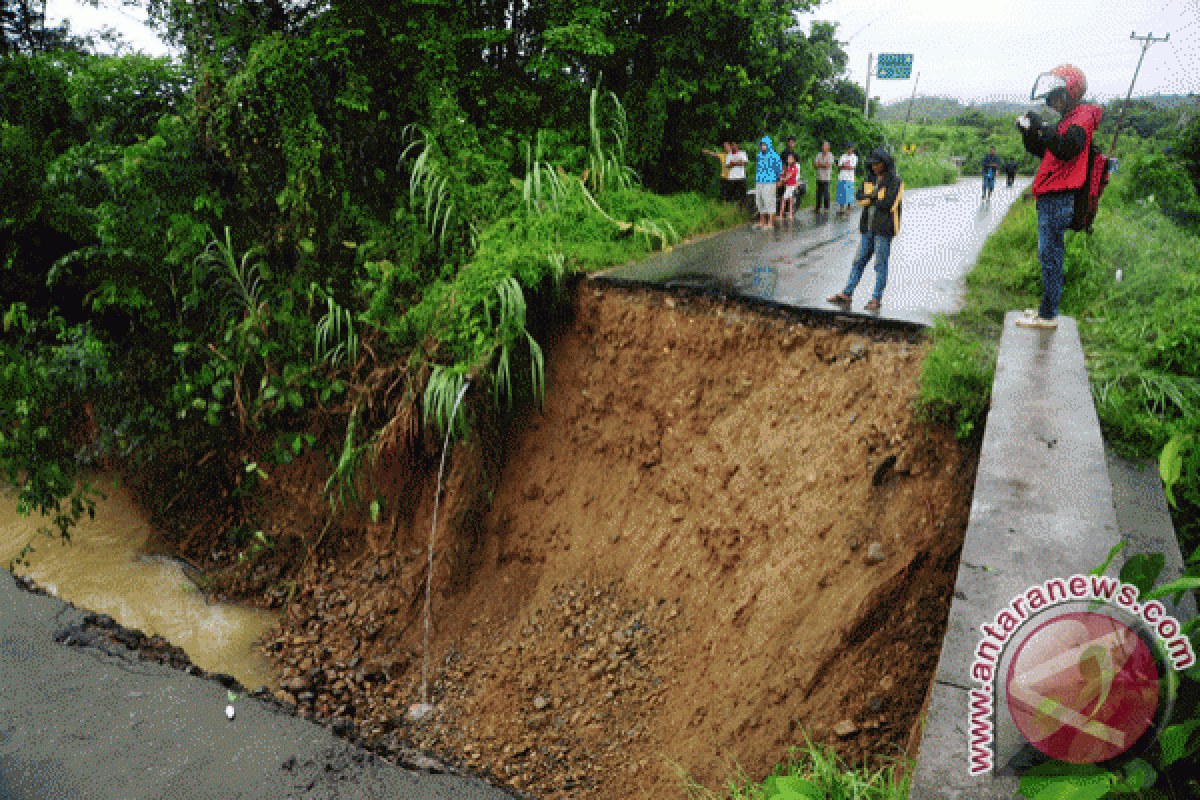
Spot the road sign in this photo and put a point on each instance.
(894, 65)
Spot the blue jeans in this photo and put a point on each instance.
(1054, 218)
(881, 247)
(989, 182)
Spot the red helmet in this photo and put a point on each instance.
(1064, 77)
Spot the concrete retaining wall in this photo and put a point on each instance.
(1050, 501)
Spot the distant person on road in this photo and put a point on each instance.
(790, 150)
(881, 197)
(791, 174)
(1010, 170)
(1063, 150)
(736, 161)
(722, 159)
(768, 172)
(991, 165)
(845, 188)
(823, 164)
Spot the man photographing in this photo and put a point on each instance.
(1063, 171)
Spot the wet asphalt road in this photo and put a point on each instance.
(92, 721)
(804, 261)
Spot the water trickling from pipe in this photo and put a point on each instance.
(424, 707)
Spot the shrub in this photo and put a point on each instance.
(1160, 181)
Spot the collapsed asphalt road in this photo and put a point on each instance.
(85, 714)
(802, 262)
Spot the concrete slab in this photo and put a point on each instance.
(1144, 519)
(1050, 501)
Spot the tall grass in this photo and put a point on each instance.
(1140, 328)
(922, 169)
(956, 379)
(813, 772)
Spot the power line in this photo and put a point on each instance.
(1146, 41)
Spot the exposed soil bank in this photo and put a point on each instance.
(723, 533)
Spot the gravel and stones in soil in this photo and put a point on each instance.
(725, 534)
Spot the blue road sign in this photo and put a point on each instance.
(894, 65)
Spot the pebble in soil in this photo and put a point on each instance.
(590, 661)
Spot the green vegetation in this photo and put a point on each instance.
(813, 773)
(956, 379)
(308, 232)
(1132, 285)
(1139, 331)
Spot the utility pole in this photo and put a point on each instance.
(867, 101)
(1146, 41)
(904, 130)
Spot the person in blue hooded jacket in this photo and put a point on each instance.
(768, 171)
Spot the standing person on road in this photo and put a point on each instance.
(790, 150)
(1010, 170)
(722, 159)
(736, 160)
(823, 163)
(845, 188)
(991, 165)
(790, 173)
(1063, 150)
(768, 171)
(881, 197)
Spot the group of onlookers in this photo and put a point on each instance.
(777, 178)
(879, 196)
(1061, 187)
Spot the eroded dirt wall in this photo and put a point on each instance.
(722, 533)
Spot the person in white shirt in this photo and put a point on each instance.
(845, 187)
(824, 166)
(736, 161)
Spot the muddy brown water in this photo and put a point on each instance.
(105, 568)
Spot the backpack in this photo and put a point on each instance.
(1087, 197)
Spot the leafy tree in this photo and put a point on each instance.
(122, 99)
(23, 30)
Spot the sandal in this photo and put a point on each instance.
(840, 299)
(872, 305)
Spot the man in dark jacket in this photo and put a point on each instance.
(881, 197)
(1063, 150)
(1010, 171)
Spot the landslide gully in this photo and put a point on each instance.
(724, 534)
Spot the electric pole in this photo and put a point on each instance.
(867, 102)
(1146, 41)
(904, 130)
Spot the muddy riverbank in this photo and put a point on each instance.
(110, 566)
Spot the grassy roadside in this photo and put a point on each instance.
(1133, 287)
(813, 772)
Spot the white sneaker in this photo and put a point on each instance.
(1035, 321)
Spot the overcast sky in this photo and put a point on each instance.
(969, 49)
(980, 50)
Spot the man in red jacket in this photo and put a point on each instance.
(1063, 150)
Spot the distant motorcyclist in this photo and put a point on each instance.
(1063, 150)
